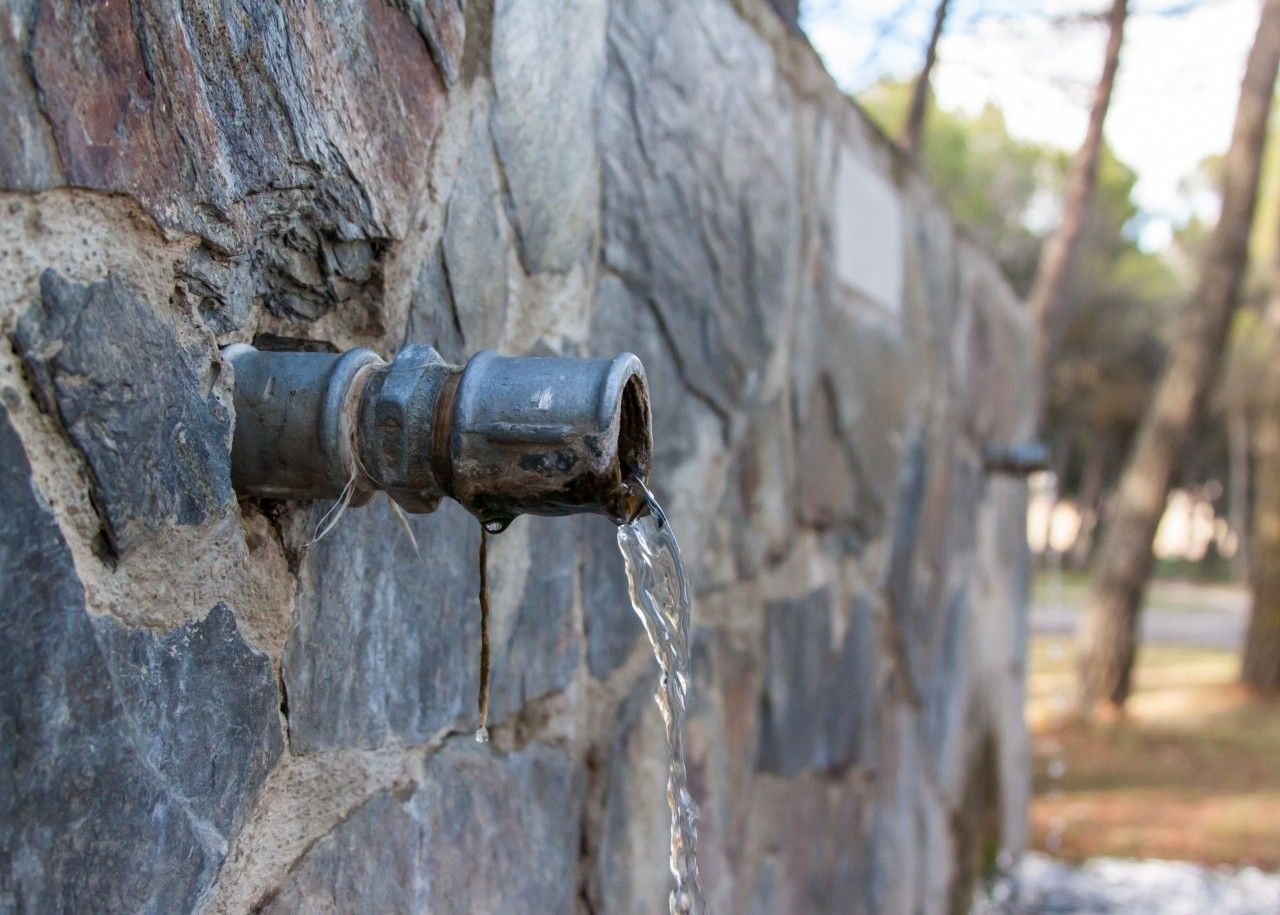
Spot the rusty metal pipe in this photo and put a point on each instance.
(503, 435)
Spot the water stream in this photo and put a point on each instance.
(660, 596)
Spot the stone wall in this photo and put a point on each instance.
(199, 711)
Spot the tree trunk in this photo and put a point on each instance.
(1261, 665)
(1090, 508)
(1107, 637)
(913, 130)
(1049, 288)
(1238, 496)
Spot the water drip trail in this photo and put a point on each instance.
(660, 596)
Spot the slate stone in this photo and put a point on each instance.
(945, 687)
(433, 317)
(540, 653)
(631, 867)
(817, 859)
(209, 107)
(385, 643)
(475, 249)
(611, 624)
(624, 322)
(369, 863)
(28, 154)
(546, 81)
(483, 832)
(852, 384)
(129, 758)
(205, 705)
(289, 139)
(136, 405)
(932, 544)
(701, 203)
(819, 706)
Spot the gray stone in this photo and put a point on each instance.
(820, 700)
(205, 705)
(546, 79)
(129, 758)
(475, 248)
(385, 644)
(631, 867)
(28, 154)
(539, 655)
(612, 626)
(369, 863)
(504, 828)
(433, 318)
(138, 407)
(701, 206)
(625, 322)
(484, 832)
(816, 855)
(932, 544)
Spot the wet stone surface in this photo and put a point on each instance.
(129, 757)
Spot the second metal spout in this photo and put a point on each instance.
(503, 436)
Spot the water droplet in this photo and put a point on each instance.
(482, 735)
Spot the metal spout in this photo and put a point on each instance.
(1016, 460)
(503, 435)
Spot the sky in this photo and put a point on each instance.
(1175, 94)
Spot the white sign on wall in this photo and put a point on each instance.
(868, 232)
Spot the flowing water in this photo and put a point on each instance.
(660, 597)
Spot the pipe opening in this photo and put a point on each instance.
(634, 435)
(634, 450)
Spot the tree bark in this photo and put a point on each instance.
(1238, 501)
(913, 130)
(1107, 637)
(1260, 668)
(1049, 287)
(1090, 507)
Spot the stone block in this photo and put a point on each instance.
(819, 710)
(484, 831)
(138, 406)
(546, 80)
(130, 758)
(475, 247)
(534, 634)
(385, 643)
(701, 205)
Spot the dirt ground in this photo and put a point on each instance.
(1192, 772)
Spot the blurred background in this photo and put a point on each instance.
(1087, 145)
